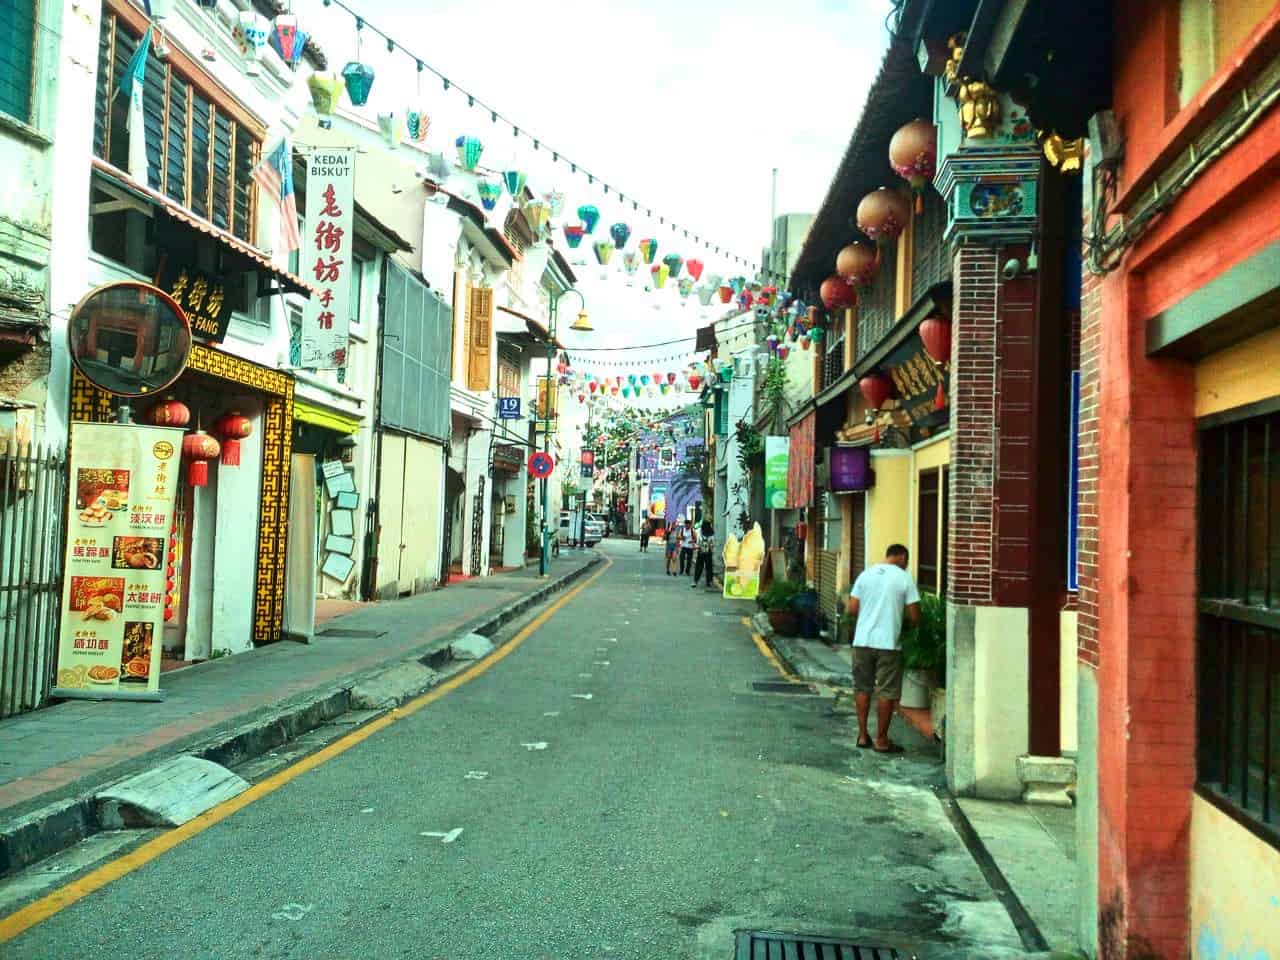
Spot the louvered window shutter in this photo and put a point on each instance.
(480, 303)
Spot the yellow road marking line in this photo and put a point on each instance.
(40, 910)
(765, 652)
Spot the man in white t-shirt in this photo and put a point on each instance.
(880, 597)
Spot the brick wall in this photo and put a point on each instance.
(1087, 494)
(973, 416)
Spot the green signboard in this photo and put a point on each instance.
(776, 455)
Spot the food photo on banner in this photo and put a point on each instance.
(124, 478)
(326, 257)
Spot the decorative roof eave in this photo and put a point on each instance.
(900, 93)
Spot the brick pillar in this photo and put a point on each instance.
(1143, 629)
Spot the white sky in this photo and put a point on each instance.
(688, 104)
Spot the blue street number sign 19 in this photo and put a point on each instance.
(541, 465)
(508, 408)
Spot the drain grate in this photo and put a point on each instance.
(783, 686)
(354, 634)
(757, 945)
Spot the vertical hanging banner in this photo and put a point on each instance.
(327, 257)
(123, 481)
(776, 454)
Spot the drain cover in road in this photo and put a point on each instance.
(354, 634)
(756, 945)
(782, 686)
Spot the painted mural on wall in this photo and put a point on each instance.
(664, 456)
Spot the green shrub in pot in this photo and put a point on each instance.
(925, 646)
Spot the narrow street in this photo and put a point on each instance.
(613, 786)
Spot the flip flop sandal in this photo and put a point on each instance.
(892, 748)
(866, 746)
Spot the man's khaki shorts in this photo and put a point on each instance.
(878, 671)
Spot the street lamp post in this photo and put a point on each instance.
(582, 325)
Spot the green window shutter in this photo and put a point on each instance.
(221, 171)
(17, 57)
(722, 413)
(242, 200)
(175, 181)
(102, 96)
(200, 110)
(153, 117)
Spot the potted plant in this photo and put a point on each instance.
(777, 601)
(924, 652)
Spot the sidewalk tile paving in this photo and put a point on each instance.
(44, 753)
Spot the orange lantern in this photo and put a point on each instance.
(198, 448)
(876, 389)
(935, 333)
(913, 154)
(883, 215)
(836, 293)
(858, 264)
(232, 428)
(170, 412)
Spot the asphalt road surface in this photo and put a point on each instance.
(614, 787)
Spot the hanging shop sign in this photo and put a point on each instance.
(776, 455)
(508, 457)
(588, 464)
(915, 380)
(130, 339)
(850, 469)
(121, 500)
(202, 297)
(327, 257)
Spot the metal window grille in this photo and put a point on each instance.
(1238, 644)
(833, 362)
(32, 506)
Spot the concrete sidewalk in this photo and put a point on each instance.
(55, 755)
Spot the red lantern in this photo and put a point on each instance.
(232, 427)
(695, 381)
(935, 333)
(836, 293)
(592, 386)
(913, 154)
(726, 294)
(582, 398)
(883, 214)
(198, 448)
(170, 412)
(802, 530)
(876, 389)
(858, 264)
(671, 378)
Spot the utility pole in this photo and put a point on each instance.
(773, 219)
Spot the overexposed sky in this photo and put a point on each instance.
(688, 106)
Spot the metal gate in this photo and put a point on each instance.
(477, 529)
(32, 508)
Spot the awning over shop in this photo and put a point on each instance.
(318, 416)
(800, 463)
(250, 256)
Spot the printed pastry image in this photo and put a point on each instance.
(99, 493)
(135, 655)
(97, 598)
(101, 673)
(137, 553)
(97, 515)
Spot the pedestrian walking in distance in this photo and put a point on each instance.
(880, 597)
(673, 544)
(706, 550)
(687, 540)
(645, 531)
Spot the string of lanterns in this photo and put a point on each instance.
(356, 78)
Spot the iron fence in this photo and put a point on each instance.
(32, 509)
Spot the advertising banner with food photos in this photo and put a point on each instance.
(123, 484)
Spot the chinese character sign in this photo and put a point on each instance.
(124, 480)
(327, 257)
(202, 297)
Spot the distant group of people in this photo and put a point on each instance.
(690, 549)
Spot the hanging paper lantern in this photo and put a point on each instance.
(726, 294)
(664, 388)
(170, 412)
(674, 262)
(935, 333)
(739, 284)
(490, 193)
(705, 293)
(621, 233)
(671, 377)
(251, 32)
(804, 342)
(232, 428)
(695, 381)
(913, 154)
(631, 261)
(626, 392)
(876, 389)
(326, 89)
(538, 213)
(469, 150)
(836, 293)
(582, 398)
(604, 251)
(618, 380)
(657, 377)
(593, 386)
(648, 250)
(772, 342)
(589, 216)
(418, 123)
(359, 80)
(883, 214)
(198, 448)
(514, 181)
(573, 234)
(695, 268)
(392, 129)
(286, 39)
(858, 264)
(614, 390)
(631, 378)
(783, 350)
(555, 200)
(644, 378)
(660, 273)
(817, 334)
(685, 286)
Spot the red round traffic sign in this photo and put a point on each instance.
(541, 464)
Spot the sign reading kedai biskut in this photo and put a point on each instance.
(776, 454)
(124, 479)
(326, 257)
